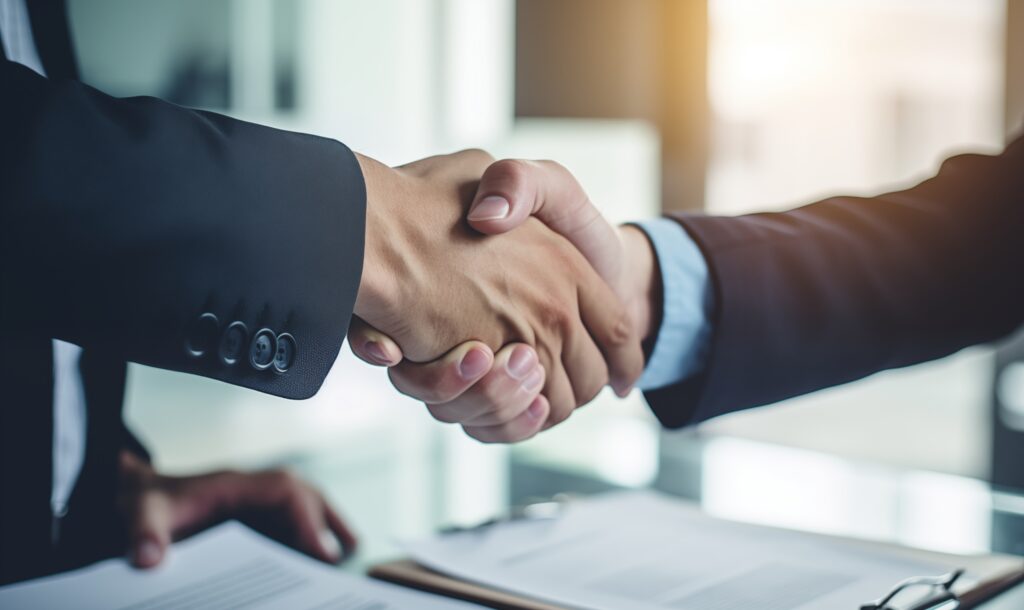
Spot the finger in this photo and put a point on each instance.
(506, 391)
(349, 541)
(512, 190)
(586, 368)
(608, 323)
(446, 378)
(151, 529)
(304, 508)
(371, 345)
(519, 399)
(558, 387)
(524, 426)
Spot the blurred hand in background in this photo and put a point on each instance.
(160, 509)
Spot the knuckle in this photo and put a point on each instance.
(508, 171)
(588, 392)
(559, 413)
(432, 392)
(437, 395)
(478, 155)
(506, 433)
(621, 332)
(494, 400)
(444, 414)
(483, 435)
(504, 413)
(556, 315)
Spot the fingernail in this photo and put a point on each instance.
(329, 542)
(521, 362)
(623, 391)
(376, 352)
(536, 409)
(533, 382)
(474, 364)
(490, 208)
(147, 553)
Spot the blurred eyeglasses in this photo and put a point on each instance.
(921, 593)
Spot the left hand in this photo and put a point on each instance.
(497, 404)
(161, 509)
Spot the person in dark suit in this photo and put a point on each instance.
(136, 230)
(738, 312)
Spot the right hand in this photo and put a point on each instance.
(497, 407)
(159, 509)
(431, 283)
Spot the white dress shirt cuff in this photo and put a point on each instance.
(681, 345)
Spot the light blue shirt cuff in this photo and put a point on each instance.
(681, 346)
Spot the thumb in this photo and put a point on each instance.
(512, 190)
(446, 378)
(371, 345)
(150, 531)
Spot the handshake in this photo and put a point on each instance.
(497, 294)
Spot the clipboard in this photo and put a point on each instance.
(1007, 573)
(410, 574)
(991, 575)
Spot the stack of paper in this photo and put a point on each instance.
(229, 566)
(644, 551)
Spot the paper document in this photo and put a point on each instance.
(644, 551)
(229, 566)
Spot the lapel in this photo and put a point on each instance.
(52, 36)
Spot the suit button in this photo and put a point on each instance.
(285, 354)
(262, 349)
(232, 343)
(201, 335)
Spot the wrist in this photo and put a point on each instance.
(376, 285)
(644, 295)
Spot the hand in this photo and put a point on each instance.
(496, 407)
(160, 509)
(430, 283)
(622, 256)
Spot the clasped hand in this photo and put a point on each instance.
(507, 333)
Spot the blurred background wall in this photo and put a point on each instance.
(727, 106)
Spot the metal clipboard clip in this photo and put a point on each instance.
(543, 510)
(935, 593)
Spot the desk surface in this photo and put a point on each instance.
(731, 478)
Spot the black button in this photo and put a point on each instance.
(233, 342)
(285, 354)
(201, 335)
(262, 349)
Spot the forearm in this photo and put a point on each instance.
(135, 216)
(846, 287)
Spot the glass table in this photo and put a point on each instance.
(729, 477)
(396, 474)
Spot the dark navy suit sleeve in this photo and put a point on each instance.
(839, 289)
(125, 220)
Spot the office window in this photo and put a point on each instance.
(812, 99)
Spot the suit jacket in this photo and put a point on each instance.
(141, 231)
(840, 289)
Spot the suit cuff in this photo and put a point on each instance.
(682, 340)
